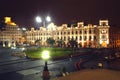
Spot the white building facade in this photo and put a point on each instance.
(85, 35)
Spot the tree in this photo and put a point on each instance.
(50, 41)
(37, 42)
(73, 43)
(2, 25)
(60, 43)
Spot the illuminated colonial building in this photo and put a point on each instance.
(85, 35)
(11, 35)
(115, 38)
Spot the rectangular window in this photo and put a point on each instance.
(95, 38)
(72, 32)
(80, 32)
(61, 38)
(61, 33)
(80, 38)
(90, 37)
(85, 38)
(64, 38)
(85, 32)
(64, 32)
(68, 32)
(76, 38)
(76, 32)
(90, 31)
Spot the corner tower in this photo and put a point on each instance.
(103, 30)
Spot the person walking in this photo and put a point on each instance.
(77, 66)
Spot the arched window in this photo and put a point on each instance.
(80, 32)
(80, 38)
(85, 32)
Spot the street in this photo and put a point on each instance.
(25, 69)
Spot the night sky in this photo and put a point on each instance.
(23, 12)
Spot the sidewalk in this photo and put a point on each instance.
(94, 74)
(36, 74)
(115, 64)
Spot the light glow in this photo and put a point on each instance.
(100, 41)
(45, 55)
(48, 18)
(38, 19)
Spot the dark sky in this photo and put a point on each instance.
(23, 12)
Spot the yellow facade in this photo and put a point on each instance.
(9, 22)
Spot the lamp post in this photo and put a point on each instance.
(46, 74)
(40, 20)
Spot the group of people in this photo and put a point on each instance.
(77, 67)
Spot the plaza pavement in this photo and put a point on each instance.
(92, 74)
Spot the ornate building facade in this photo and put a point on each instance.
(85, 35)
(115, 38)
(11, 35)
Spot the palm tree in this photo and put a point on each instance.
(50, 41)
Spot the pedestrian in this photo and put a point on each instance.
(64, 71)
(77, 66)
(70, 57)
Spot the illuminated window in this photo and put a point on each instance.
(85, 32)
(94, 31)
(64, 32)
(72, 32)
(61, 38)
(76, 32)
(76, 38)
(68, 32)
(64, 38)
(85, 38)
(80, 32)
(95, 38)
(90, 37)
(103, 31)
(80, 38)
(61, 33)
(72, 37)
(68, 37)
(103, 23)
(89, 31)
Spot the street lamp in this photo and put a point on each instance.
(48, 18)
(45, 56)
(40, 20)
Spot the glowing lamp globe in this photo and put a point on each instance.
(45, 55)
(38, 19)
